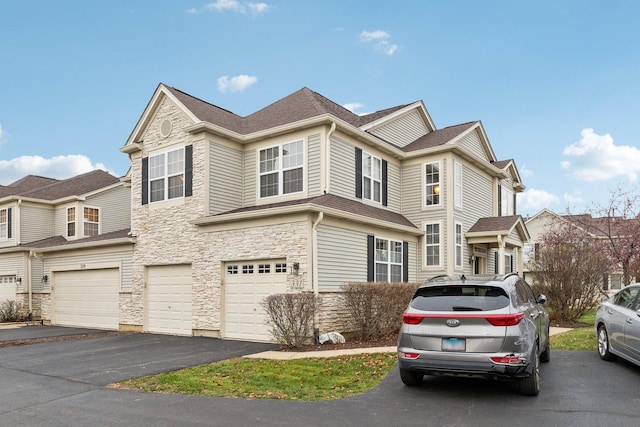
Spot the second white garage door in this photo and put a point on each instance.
(169, 299)
(246, 285)
(87, 298)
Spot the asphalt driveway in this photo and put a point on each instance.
(63, 384)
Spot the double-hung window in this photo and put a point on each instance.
(282, 169)
(166, 175)
(4, 223)
(388, 260)
(433, 247)
(71, 222)
(432, 184)
(458, 184)
(91, 222)
(371, 177)
(458, 245)
(506, 202)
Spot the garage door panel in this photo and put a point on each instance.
(244, 316)
(88, 298)
(169, 300)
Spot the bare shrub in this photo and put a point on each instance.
(290, 317)
(10, 311)
(374, 310)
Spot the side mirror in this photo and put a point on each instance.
(541, 299)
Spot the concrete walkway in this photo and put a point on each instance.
(290, 355)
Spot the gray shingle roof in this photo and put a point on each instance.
(438, 137)
(496, 223)
(61, 241)
(51, 189)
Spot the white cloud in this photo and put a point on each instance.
(234, 6)
(525, 171)
(3, 136)
(596, 158)
(58, 167)
(353, 106)
(235, 84)
(380, 41)
(535, 200)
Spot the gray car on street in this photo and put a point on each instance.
(617, 325)
(487, 326)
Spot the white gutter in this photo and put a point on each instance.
(327, 186)
(314, 271)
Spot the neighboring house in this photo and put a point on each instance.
(541, 223)
(65, 250)
(303, 196)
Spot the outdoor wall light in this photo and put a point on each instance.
(45, 278)
(18, 279)
(295, 268)
(472, 258)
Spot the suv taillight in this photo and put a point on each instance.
(495, 319)
(412, 319)
(505, 319)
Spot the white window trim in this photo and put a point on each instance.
(439, 245)
(458, 173)
(459, 261)
(166, 176)
(4, 235)
(373, 159)
(84, 234)
(388, 262)
(425, 184)
(506, 202)
(67, 222)
(280, 170)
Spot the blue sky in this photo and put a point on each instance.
(556, 84)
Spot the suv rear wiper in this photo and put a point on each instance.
(463, 308)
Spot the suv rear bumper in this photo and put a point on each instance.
(463, 364)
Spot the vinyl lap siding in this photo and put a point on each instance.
(403, 130)
(225, 178)
(314, 166)
(477, 193)
(115, 209)
(36, 223)
(342, 257)
(249, 196)
(14, 264)
(342, 170)
(394, 190)
(472, 143)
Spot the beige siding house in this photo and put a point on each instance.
(300, 196)
(65, 249)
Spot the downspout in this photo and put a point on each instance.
(32, 254)
(314, 273)
(327, 172)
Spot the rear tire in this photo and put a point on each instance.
(545, 356)
(411, 378)
(603, 345)
(530, 386)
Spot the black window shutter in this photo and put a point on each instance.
(9, 223)
(405, 261)
(371, 253)
(499, 200)
(384, 183)
(145, 180)
(514, 204)
(358, 173)
(188, 170)
(496, 269)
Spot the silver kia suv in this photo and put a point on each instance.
(488, 326)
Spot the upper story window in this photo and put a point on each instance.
(5, 223)
(91, 222)
(506, 202)
(166, 175)
(432, 184)
(388, 261)
(371, 177)
(433, 247)
(458, 184)
(282, 169)
(71, 222)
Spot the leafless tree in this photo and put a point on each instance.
(569, 269)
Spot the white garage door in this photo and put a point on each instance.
(87, 298)
(169, 300)
(246, 285)
(7, 288)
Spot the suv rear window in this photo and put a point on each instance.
(460, 298)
